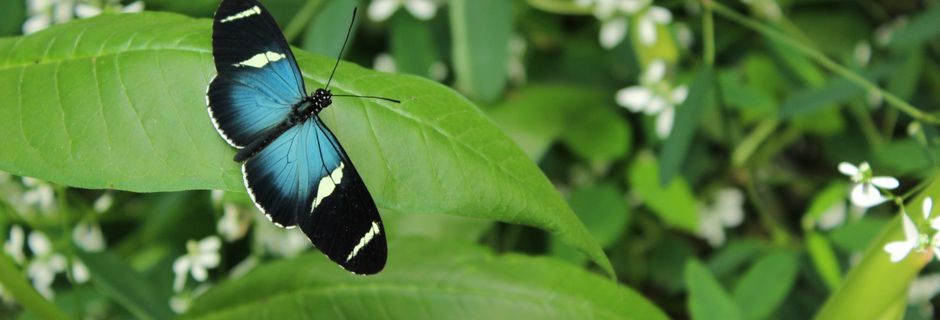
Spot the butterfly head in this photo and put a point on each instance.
(322, 97)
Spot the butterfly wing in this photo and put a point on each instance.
(257, 80)
(305, 178)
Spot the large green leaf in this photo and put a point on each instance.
(707, 299)
(764, 286)
(108, 103)
(425, 280)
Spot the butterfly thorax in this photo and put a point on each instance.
(300, 112)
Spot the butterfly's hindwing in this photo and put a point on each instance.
(257, 79)
(345, 223)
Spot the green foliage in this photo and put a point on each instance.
(468, 282)
(506, 210)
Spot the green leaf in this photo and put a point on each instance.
(599, 134)
(922, 28)
(325, 34)
(14, 15)
(120, 282)
(480, 31)
(421, 282)
(824, 259)
(814, 99)
(560, 6)
(603, 210)
(902, 80)
(412, 45)
(683, 129)
(857, 235)
(764, 286)
(537, 115)
(824, 200)
(130, 114)
(707, 299)
(674, 203)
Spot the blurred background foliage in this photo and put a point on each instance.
(700, 151)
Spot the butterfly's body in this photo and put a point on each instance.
(300, 112)
(294, 168)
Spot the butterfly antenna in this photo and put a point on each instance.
(351, 22)
(367, 97)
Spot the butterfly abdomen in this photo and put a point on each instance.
(257, 145)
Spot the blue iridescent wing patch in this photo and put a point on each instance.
(295, 170)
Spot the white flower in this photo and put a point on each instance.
(864, 193)
(913, 239)
(80, 272)
(654, 97)
(199, 257)
(45, 263)
(437, 71)
(181, 301)
(279, 242)
(385, 63)
(88, 237)
(234, 223)
(613, 31)
(833, 217)
(923, 288)
(216, 196)
(862, 52)
(727, 211)
(44, 13)
(647, 21)
(379, 10)
(14, 245)
(885, 32)
(104, 202)
(39, 194)
(684, 35)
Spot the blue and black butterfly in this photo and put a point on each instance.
(295, 170)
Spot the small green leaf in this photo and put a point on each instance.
(707, 299)
(764, 286)
(421, 282)
(674, 203)
(824, 200)
(603, 210)
(480, 31)
(537, 115)
(921, 28)
(325, 34)
(814, 99)
(130, 114)
(902, 81)
(824, 259)
(736, 253)
(412, 45)
(120, 282)
(683, 129)
(599, 134)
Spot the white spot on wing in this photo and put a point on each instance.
(327, 185)
(262, 59)
(247, 13)
(215, 122)
(374, 231)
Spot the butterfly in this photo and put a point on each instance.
(294, 169)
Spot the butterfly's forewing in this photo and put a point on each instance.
(257, 78)
(306, 174)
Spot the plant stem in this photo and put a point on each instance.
(755, 139)
(14, 282)
(708, 36)
(301, 19)
(821, 59)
